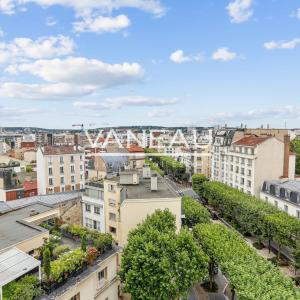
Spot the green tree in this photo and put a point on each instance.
(295, 147)
(157, 263)
(28, 169)
(84, 242)
(194, 212)
(296, 254)
(197, 182)
(47, 262)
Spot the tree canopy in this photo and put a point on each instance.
(251, 276)
(158, 263)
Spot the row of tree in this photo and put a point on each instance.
(251, 215)
(158, 263)
(295, 148)
(169, 165)
(251, 276)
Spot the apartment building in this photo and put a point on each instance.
(93, 206)
(284, 194)
(244, 160)
(201, 160)
(22, 235)
(60, 169)
(132, 195)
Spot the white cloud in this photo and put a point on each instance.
(7, 6)
(81, 71)
(285, 112)
(101, 24)
(160, 113)
(292, 44)
(120, 102)
(57, 91)
(224, 54)
(179, 57)
(44, 47)
(240, 10)
(81, 6)
(9, 113)
(51, 21)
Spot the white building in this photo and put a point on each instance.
(93, 206)
(283, 194)
(245, 161)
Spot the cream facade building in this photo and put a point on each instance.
(130, 197)
(245, 160)
(60, 169)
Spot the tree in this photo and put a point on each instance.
(194, 212)
(47, 262)
(84, 242)
(295, 147)
(157, 263)
(296, 254)
(197, 182)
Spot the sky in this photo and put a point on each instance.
(149, 62)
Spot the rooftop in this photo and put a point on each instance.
(60, 150)
(291, 185)
(251, 141)
(143, 190)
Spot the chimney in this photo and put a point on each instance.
(286, 158)
(146, 171)
(154, 182)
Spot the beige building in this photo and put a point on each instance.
(131, 196)
(60, 169)
(244, 161)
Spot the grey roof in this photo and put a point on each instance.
(15, 263)
(291, 185)
(51, 199)
(143, 191)
(13, 230)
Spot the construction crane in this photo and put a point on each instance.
(82, 125)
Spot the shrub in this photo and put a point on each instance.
(46, 262)
(103, 242)
(83, 242)
(26, 288)
(57, 251)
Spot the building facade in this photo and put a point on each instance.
(60, 169)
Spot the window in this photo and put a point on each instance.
(231, 167)
(72, 169)
(76, 297)
(72, 158)
(286, 208)
(249, 162)
(61, 170)
(102, 275)
(111, 188)
(81, 167)
(112, 230)
(80, 157)
(73, 187)
(96, 225)
(248, 183)
(49, 160)
(50, 171)
(50, 181)
(97, 210)
(112, 217)
(242, 181)
(243, 161)
(61, 159)
(89, 223)
(88, 208)
(112, 202)
(81, 176)
(72, 179)
(236, 169)
(62, 180)
(243, 171)
(62, 189)
(298, 214)
(249, 173)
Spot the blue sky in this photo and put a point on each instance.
(149, 62)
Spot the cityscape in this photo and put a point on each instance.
(149, 150)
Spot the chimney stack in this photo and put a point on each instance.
(286, 159)
(154, 182)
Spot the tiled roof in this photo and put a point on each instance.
(134, 149)
(251, 141)
(30, 185)
(60, 150)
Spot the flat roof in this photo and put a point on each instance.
(143, 190)
(15, 263)
(13, 230)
